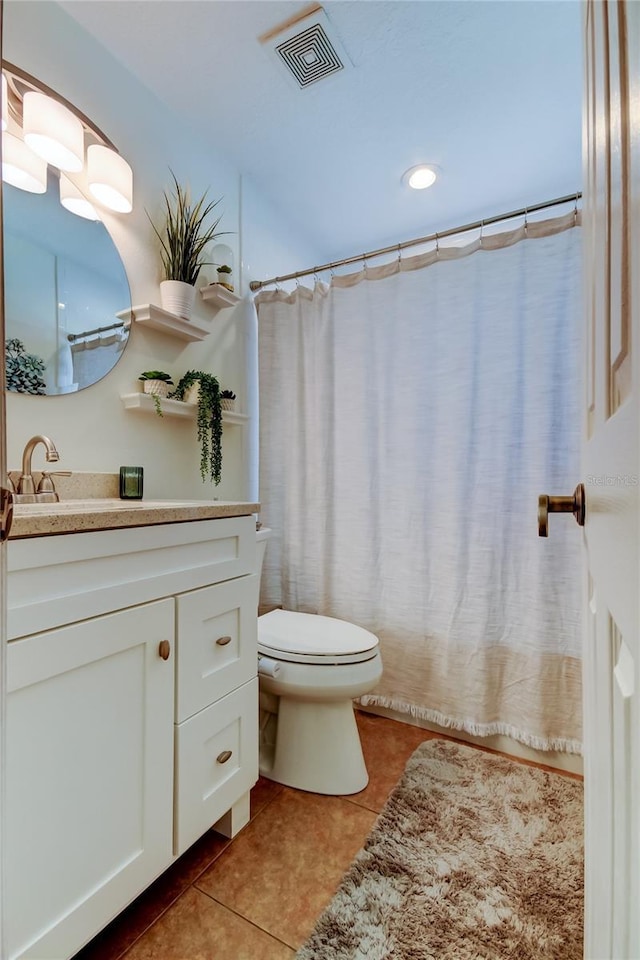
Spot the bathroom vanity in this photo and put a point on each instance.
(132, 721)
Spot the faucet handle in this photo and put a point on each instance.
(46, 483)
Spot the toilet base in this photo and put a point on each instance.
(316, 747)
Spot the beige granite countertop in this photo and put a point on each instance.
(77, 516)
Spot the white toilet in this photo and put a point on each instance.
(310, 668)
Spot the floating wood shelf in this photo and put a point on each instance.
(151, 316)
(145, 403)
(218, 296)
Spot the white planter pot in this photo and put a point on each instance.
(225, 280)
(177, 297)
(192, 393)
(227, 404)
(158, 388)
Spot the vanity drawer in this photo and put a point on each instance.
(216, 761)
(216, 643)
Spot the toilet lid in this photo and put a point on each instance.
(312, 635)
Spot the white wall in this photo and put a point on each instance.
(91, 429)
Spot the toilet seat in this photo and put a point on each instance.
(311, 638)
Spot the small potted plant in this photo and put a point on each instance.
(224, 276)
(156, 383)
(208, 419)
(228, 400)
(23, 370)
(183, 240)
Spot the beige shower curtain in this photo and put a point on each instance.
(407, 425)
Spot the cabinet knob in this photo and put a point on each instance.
(224, 756)
(223, 641)
(164, 649)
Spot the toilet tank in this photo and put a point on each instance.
(262, 535)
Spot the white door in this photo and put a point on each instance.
(5, 522)
(611, 473)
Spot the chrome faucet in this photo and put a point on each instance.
(26, 487)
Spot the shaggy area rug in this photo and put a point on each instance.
(473, 857)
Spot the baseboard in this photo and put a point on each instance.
(568, 762)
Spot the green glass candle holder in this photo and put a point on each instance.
(131, 481)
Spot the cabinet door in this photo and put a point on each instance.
(89, 775)
(216, 643)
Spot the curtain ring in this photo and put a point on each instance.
(437, 246)
(316, 278)
(364, 261)
(399, 253)
(575, 210)
(481, 229)
(526, 221)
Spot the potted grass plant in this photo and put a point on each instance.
(186, 232)
(203, 389)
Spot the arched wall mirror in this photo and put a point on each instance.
(64, 279)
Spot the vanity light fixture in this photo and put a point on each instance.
(21, 167)
(420, 177)
(110, 178)
(53, 131)
(73, 200)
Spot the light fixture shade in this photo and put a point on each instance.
(73, 200)
(110, 178)
(5, 102)
(21, 167)
(53, 132)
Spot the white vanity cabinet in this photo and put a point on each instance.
(131, 720)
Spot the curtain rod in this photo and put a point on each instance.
(88, 333)
(258, 284)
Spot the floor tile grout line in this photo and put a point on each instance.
(146, 930)
(247, 920)
(266, 804)
(226, 846)
(363, 806)
(193, 885)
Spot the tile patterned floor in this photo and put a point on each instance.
(258, 896)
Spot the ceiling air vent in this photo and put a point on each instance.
(307, 46)
(310, 55)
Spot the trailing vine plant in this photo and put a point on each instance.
(208, 421)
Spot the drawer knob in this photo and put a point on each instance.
(164, 649)
(223, 641)
(224, 756)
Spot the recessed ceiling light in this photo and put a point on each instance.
(420, 177)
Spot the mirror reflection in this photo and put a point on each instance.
(64, 286)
